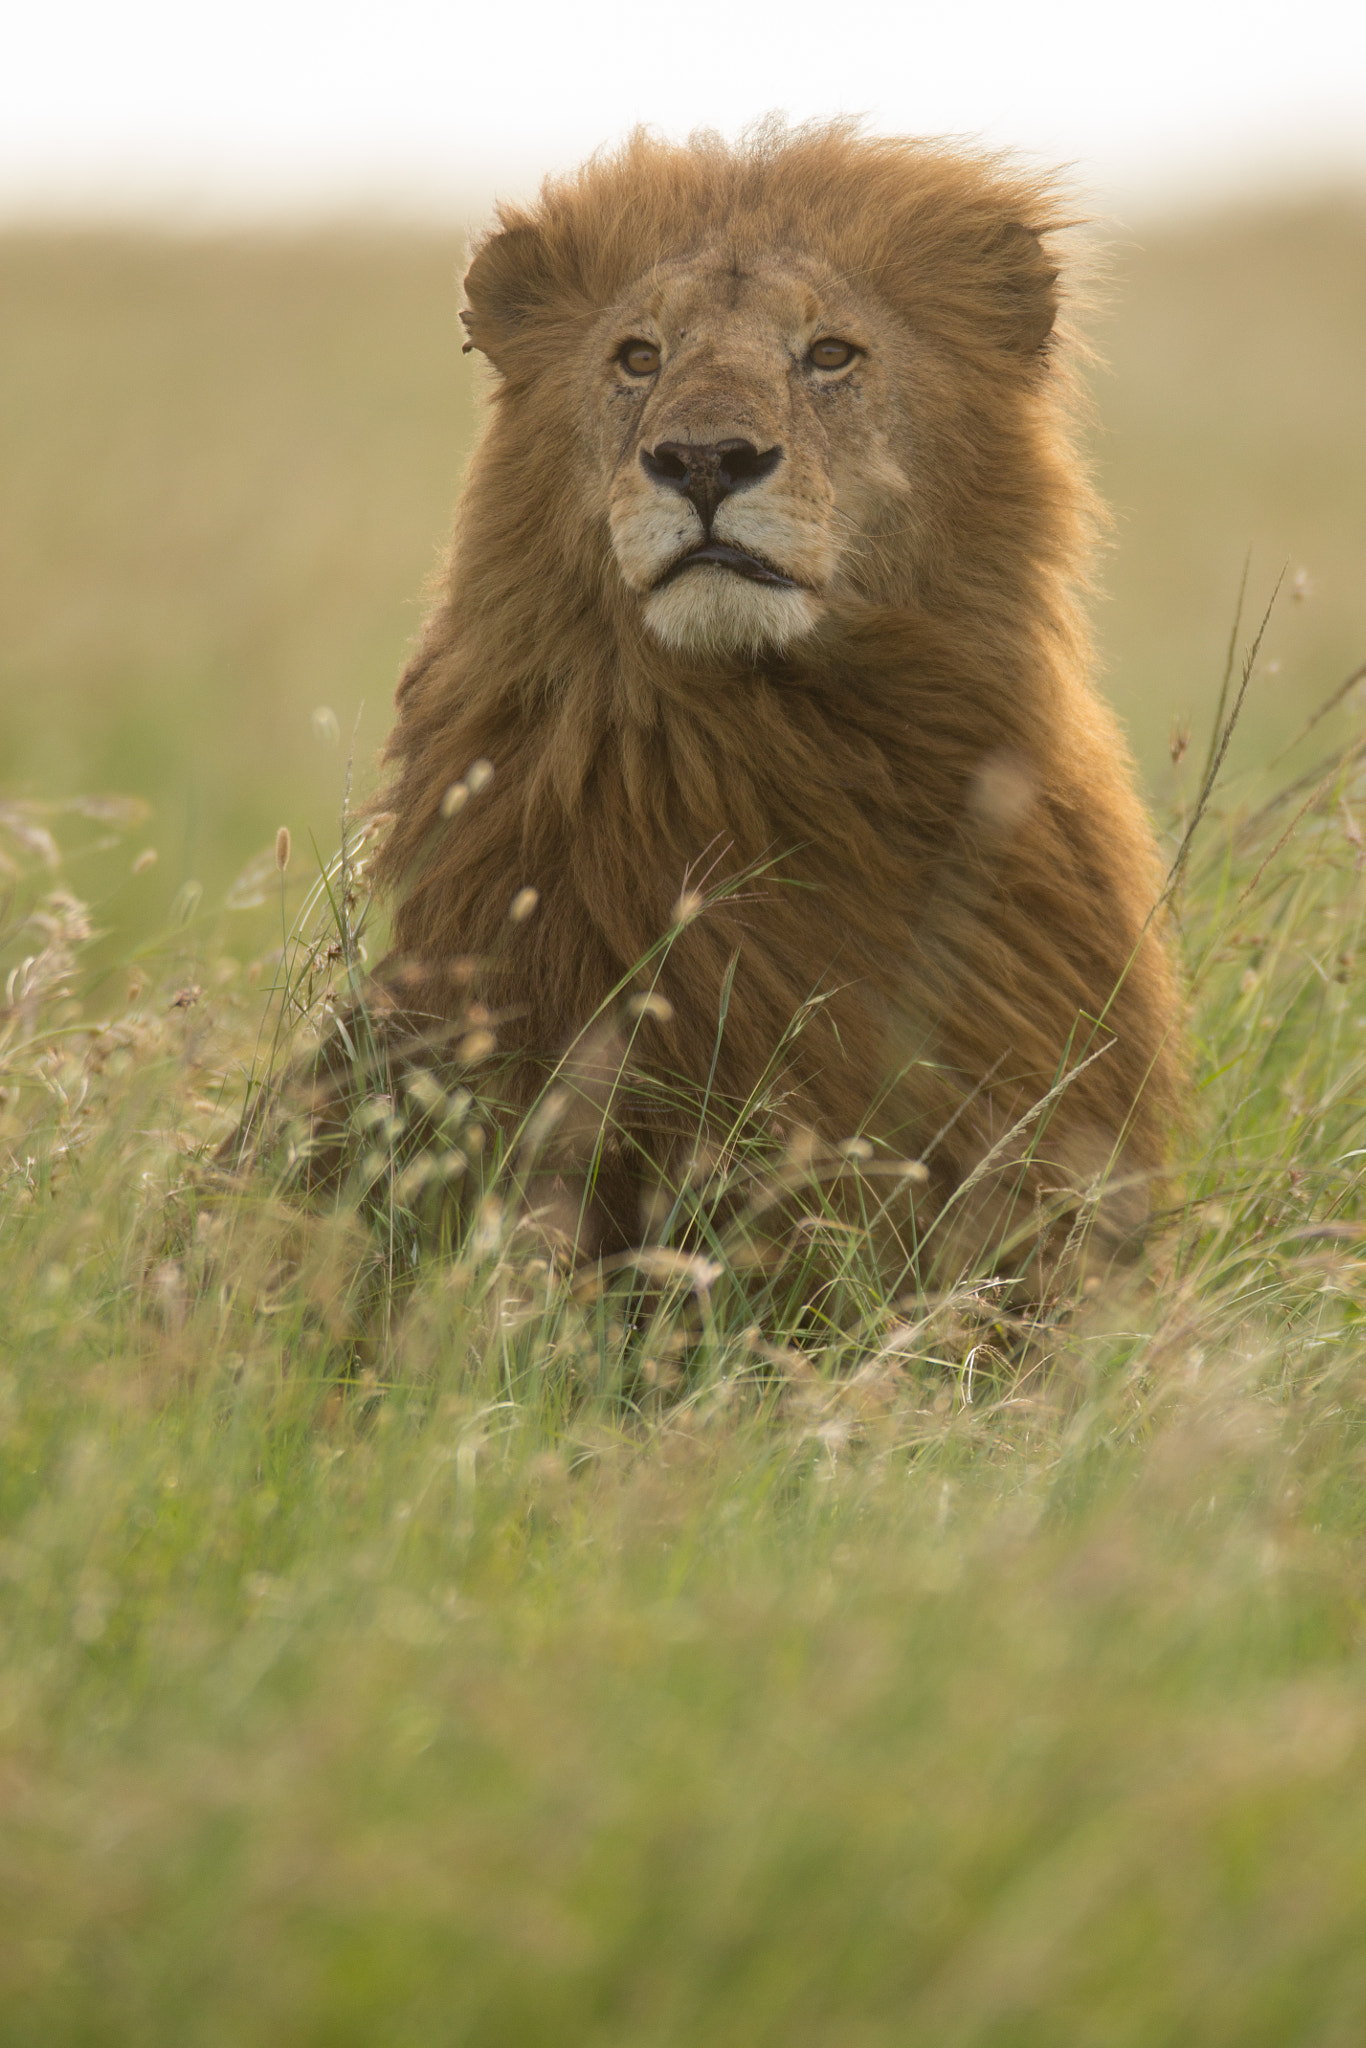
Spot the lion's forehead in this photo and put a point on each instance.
(756, 293)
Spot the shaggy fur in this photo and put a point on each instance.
(884, 777)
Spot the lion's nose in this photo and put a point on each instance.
(708, 471)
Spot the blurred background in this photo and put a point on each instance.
(234, 412)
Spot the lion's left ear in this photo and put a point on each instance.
(1027, 285)
(506, 285)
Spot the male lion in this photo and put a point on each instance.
(762, 608)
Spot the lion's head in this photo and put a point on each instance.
(769, 397)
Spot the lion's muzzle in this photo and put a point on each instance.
(718, 542)
(708, 472)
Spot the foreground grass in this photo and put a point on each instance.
(504, 1675)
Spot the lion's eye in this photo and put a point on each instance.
(641, 358)
(829, 354)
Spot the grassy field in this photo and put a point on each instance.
(410, 1651)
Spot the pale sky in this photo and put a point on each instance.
(127, 106)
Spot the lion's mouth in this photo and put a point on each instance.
(722, 555)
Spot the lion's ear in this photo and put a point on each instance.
(1027, 284)
(505, 286)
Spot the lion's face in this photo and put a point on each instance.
(748, 447)
(760, 403)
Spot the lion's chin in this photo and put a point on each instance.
(711, 612)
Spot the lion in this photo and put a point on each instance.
(761, 634)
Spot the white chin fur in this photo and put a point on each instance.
(712, 611)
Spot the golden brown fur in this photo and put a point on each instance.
(903, 753)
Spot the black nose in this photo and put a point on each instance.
(708, 471)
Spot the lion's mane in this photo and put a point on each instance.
(934, 811)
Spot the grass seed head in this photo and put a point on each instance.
(475, 1046)
(651, 1005)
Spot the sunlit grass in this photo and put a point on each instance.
(420, 1646)
(401, 1642)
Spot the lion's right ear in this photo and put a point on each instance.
(506, 285)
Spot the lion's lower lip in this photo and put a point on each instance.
(722, 556)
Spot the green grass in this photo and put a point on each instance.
(227, 470)
(433, 1655)
(415, 1653)
(1232, 423)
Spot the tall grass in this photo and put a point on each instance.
(410, 1646)
(428, 1648)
